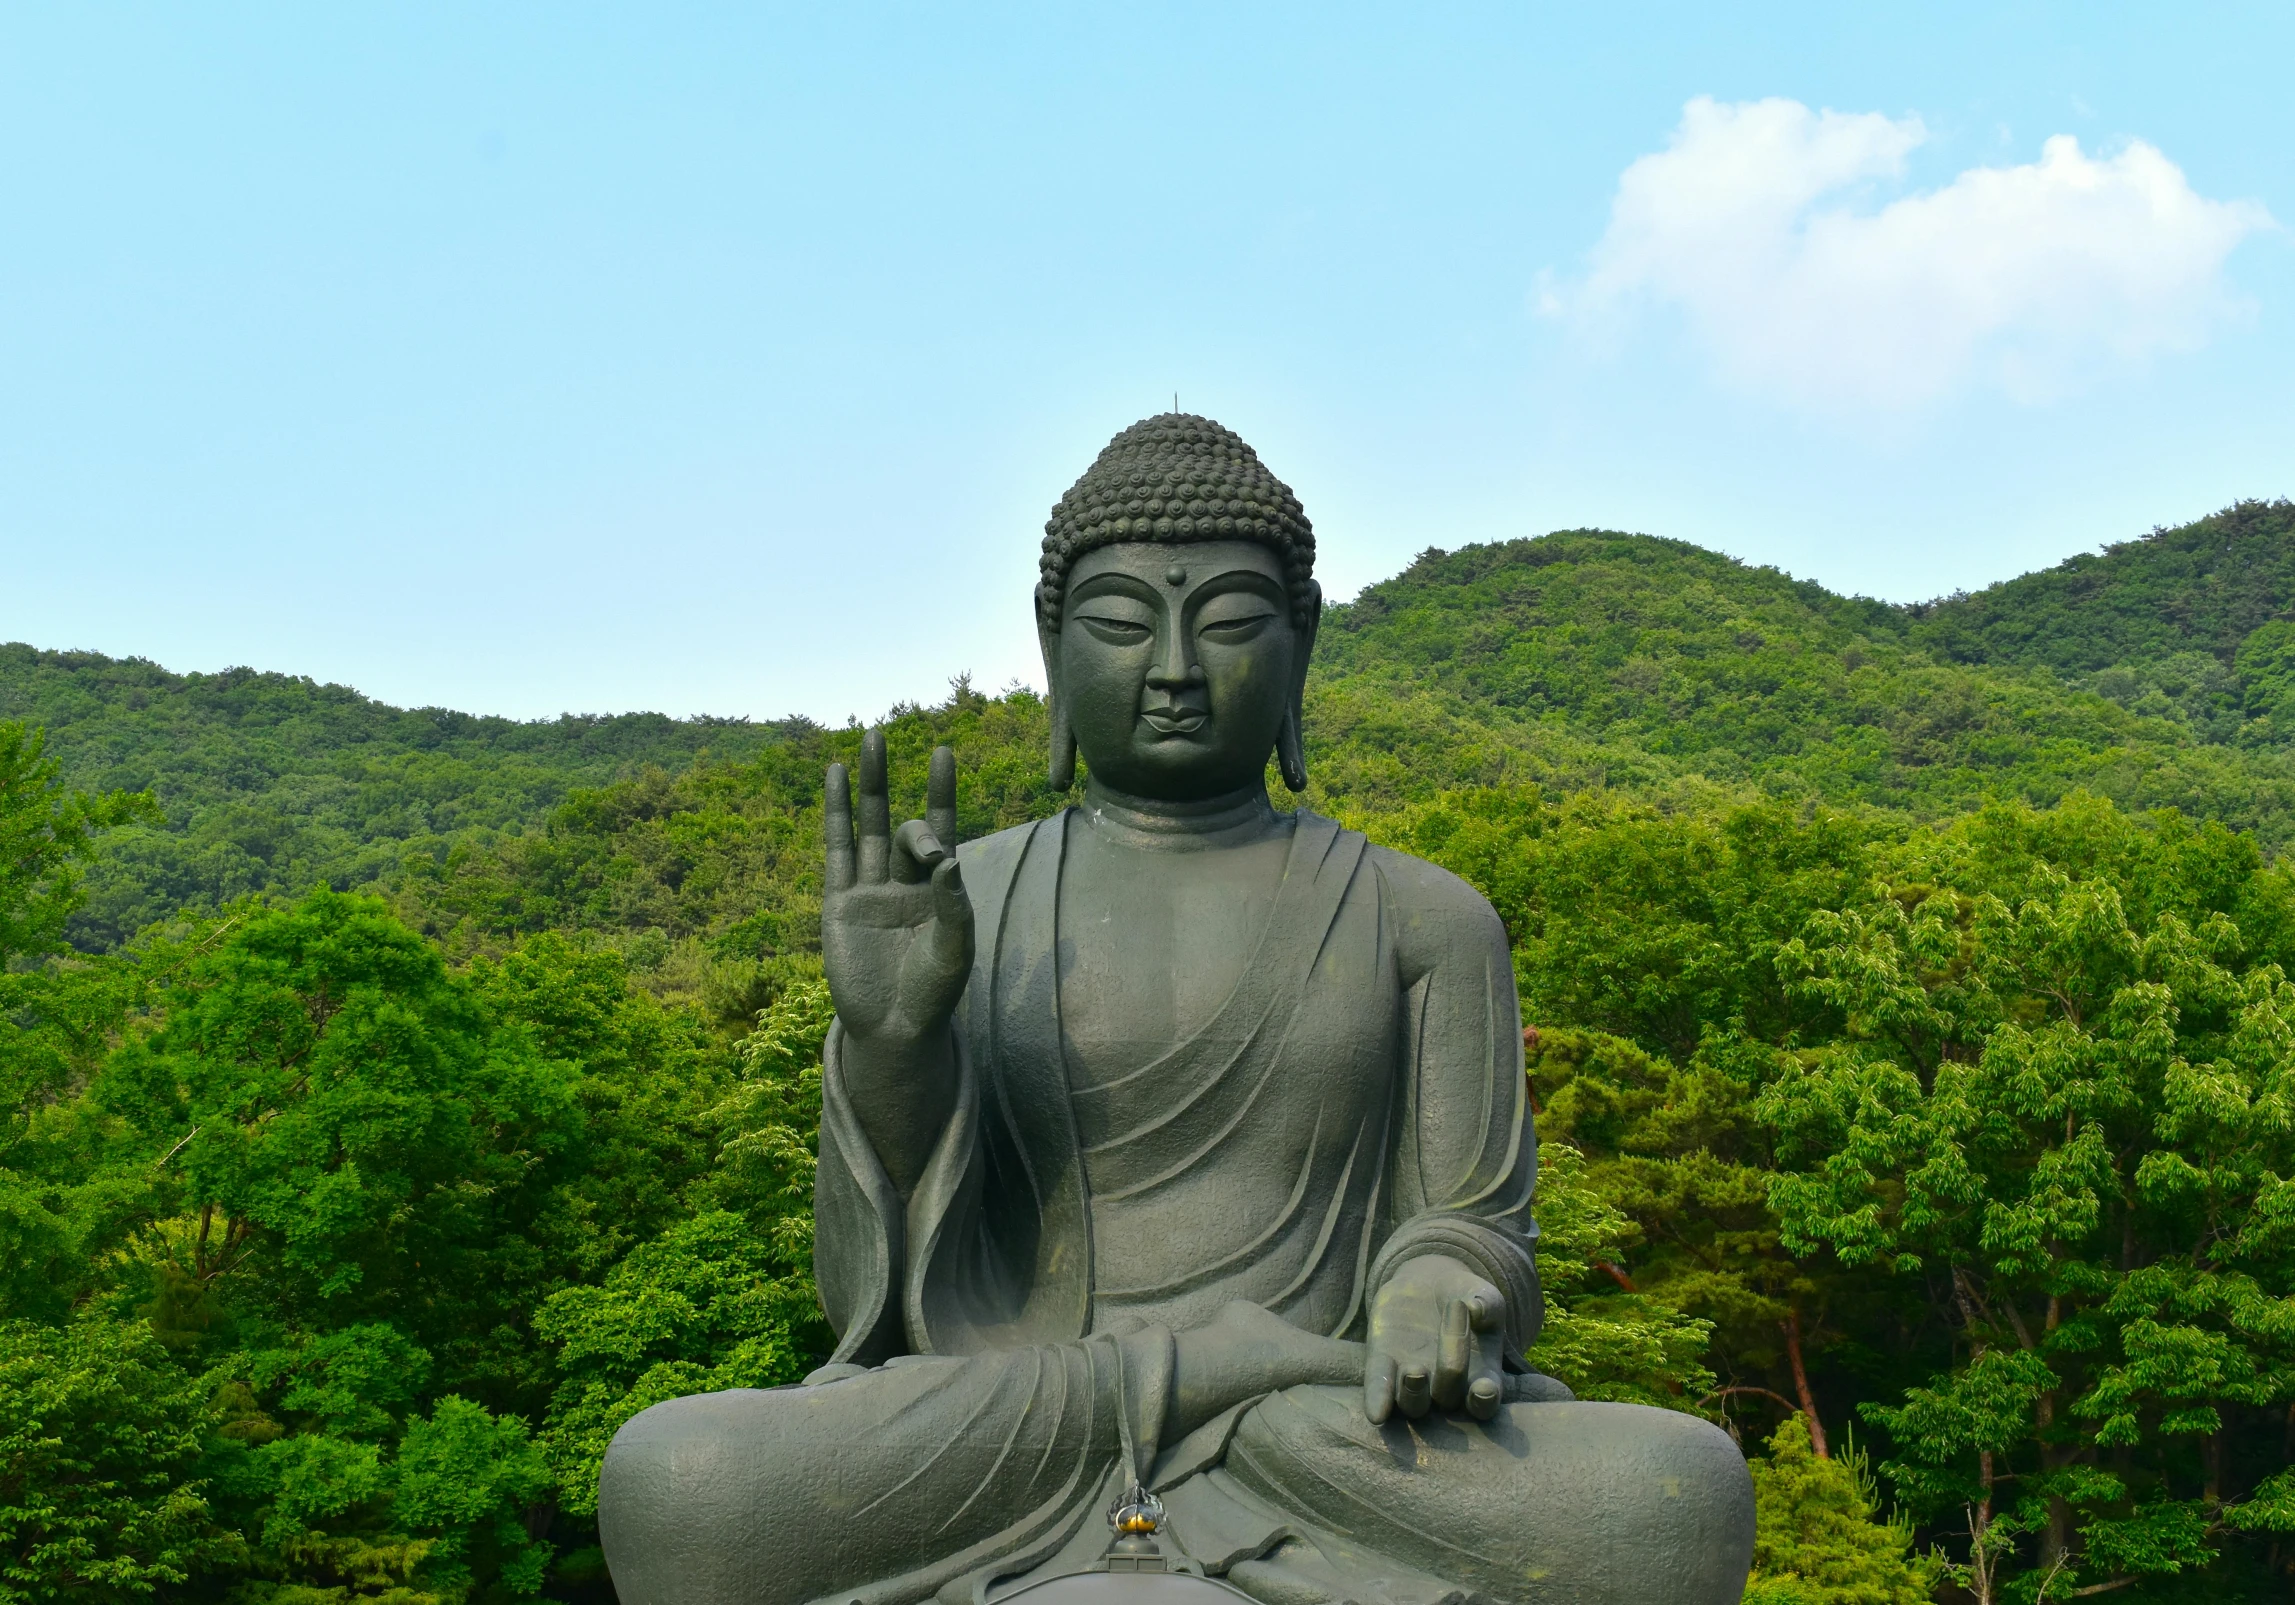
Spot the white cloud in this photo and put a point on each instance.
(2027, 278)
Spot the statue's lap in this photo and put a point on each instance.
(776, 1497)
(1569, 1500)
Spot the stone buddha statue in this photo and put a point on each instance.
(1173, 1147)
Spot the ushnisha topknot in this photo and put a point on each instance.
(1177, 477)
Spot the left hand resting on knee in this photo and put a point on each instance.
(1435, 1342)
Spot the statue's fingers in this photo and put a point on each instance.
(1486, 1308)
(1415, 1392)
(837, 827)
(875, 810)
(916, 852)
(1486, 1392)
(1484, 1395)
(940, 798)
(1454, 1355)
(1379, 1387)
(952, 913)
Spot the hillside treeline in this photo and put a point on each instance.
(1914, 1085)
(2159, 673)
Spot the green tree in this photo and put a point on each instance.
(47, 837)
(650, 1078)
(355, 1142)
(100, 1434)
(363, 1173)
(1605, 1341)
(2074, 1125)
(1660, 927)
(59, 1217)
(724, 1299)
(1818, 1540)
(1674, 1149)
(468, 1480)
(2265, 664)
(705, 1306)
(771, 1122)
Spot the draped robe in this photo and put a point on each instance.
(1005, 1332)
(1288, 1153)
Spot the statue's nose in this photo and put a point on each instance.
(1175, 666)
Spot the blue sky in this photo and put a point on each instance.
(530, 358)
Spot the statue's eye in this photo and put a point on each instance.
(1231, 631)
(1115, 631)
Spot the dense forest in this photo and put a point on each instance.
(397, 1101)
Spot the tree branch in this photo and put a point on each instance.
(1766, 1393)
(1617, 1275)
(1791, 1327)
(177, 1149)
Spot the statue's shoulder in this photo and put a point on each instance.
(1429, 901)
(1000, 850)
(1415, 883)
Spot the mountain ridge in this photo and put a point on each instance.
(1577, 660)
(2202, 586)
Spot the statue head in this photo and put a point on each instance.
(1177, 610)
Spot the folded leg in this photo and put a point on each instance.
(879, 1487)
(1558, 1504)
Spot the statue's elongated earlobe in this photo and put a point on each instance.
(1063, 772)
(1291, 740)
(1291, 751)
(1063, 769)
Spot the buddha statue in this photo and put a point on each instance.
(1175, 1147)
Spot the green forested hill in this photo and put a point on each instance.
(1579, 664)
(2202, 587)
(1578, 660)
(1636, 661)
(275, 783)
(1910, 1082)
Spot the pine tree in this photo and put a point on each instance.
(1818, 1542)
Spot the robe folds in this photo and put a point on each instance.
(1006, 1355)
(1338, 1114)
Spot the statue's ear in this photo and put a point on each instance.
(1290, 741)
(1062, 773)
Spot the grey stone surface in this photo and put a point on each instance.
(1108, 1588)
(1177, 1142)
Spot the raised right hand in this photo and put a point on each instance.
(896, 926)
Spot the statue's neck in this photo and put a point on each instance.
(1232, 820)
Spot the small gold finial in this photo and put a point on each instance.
(1137, 1514)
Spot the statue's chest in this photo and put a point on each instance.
(1151, 947)
(1229, 1037)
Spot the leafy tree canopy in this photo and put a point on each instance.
(1911, 1033)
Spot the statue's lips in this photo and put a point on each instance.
(1176, 721)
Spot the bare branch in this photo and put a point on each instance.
(161, 1163)
(1791, 1327)
(1723, 1393)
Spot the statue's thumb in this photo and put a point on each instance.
(920, 847)
(951, 907)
